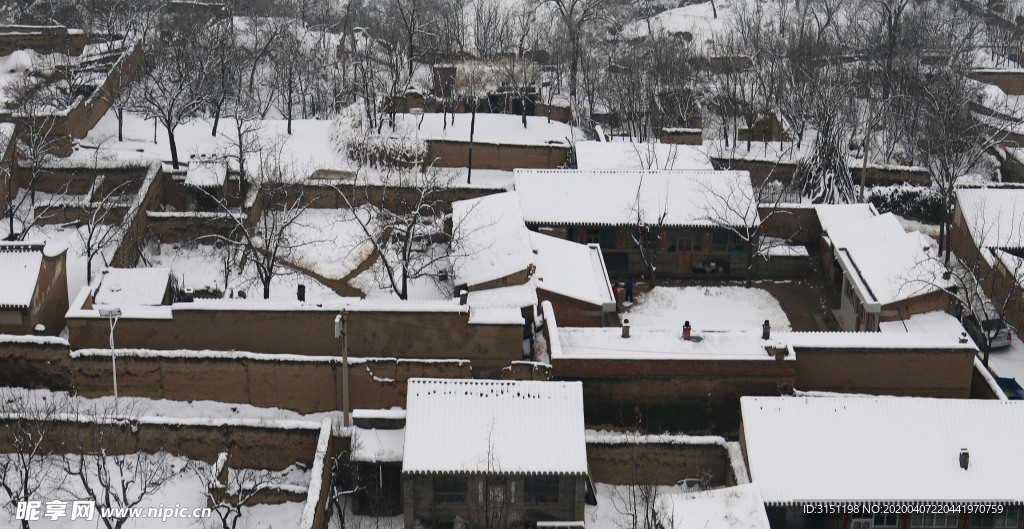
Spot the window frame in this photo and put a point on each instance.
(449, 488)
(541, 489)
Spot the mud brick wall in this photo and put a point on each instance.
(915, 373)
(573, 312)
(445, 153)
(661, 463)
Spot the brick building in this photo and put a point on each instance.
(494, 454)
(673, 213)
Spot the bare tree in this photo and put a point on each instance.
(173, 89)
(648, 230)
(266, 242)
(724, 208)
(29, 426)
(107, 467)
(101, 222)
(231, 491)
(577, 16)
(405, 224)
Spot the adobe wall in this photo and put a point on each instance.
(980, 389)
(42, 39)
(393, 198)
(933, 301)
(791, 221)
(249, 446)
(185, 227)
(682, 136)
(661, 463)
(573, 312)
(1009, 81)
(310, 331)
(50, 299)
(680, 396)
(147, 198)
(84, 116)
(303, 385)
(446, 153)
(916, 373)
(761, 170)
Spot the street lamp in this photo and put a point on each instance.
(112, 314)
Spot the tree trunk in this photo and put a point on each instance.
(216, 119)
(174, 146)
(119, 112)
(266, 289)
(472, 129)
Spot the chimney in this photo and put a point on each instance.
(301, 293)
(963, 337)
(766, 330)
(965, 458)
(463, 297)
(686, 330)
(625, 328)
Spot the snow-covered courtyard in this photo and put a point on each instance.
(708, 308)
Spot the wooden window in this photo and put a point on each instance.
(450, 489)
(935, 521)
(593, 236)
(541, 489)
(609, 238)
(719, 241)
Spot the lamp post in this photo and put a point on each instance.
(112, 314)
(340, 331)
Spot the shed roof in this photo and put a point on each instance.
(994, 216)
(492, 241)
(491, 426)
(207, 173)
(19, 271)
(809, 449)
(132, 287)
(613, 198)
(571, 269)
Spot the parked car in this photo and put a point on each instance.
(987, 323)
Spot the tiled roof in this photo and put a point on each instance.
(19, 272)
(809, 449)
(610, 198)
(490, 426)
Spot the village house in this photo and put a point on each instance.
(502, 265)
(674, 214)
(887, 273)
(33, 288)
(494, 454)
(988, 234)
(811, 456)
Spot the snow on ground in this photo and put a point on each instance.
(374, 283)
(504, 129)
(329, 242)
(184, 490)
(202, 267)
(1009, 362)
(161, 408)
(708, 308)
(677, 508)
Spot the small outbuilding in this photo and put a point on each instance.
(33, 288)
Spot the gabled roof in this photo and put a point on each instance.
(806, 449)
(612, 198)
(492, 241)
(886, 263)
(491, 426)
(19, 271)
(836, 215)
(994, 216)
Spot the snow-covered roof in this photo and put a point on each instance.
(19, 271)
(491, 239)
(491, 426)
(936, 323)
(571, 269)
(739, 507)
(994, 216)
(871, 340)
(808, 449)
(591, 155)
(207, 173)
(495, 316)
(132, 287)
(646, 343)
(886, 263)
(518, 296)
(611, 198)
(377, 446)
(837, 215)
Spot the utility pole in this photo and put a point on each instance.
(340, 331)
(867, 143)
